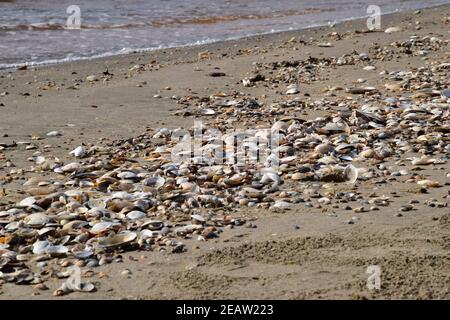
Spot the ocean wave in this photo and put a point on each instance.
(167, 22)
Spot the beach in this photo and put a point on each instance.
(320, 251)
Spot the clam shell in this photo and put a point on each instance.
(135, 215)
(423, 161)
(40, 247)
(198, 218)
(27, 202)
(37, 219)
(118, 240)
(78, 152)
(153, 224)
(104, 226)
(155, 182)
(351, 173)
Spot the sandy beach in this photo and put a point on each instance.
(312, 249)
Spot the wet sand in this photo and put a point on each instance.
(298, 253)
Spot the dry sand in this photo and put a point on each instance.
(324, 258)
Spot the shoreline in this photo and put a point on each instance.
(204, 43)
(316, 247)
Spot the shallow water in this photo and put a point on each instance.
(36, 31)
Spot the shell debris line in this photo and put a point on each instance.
(131, 195)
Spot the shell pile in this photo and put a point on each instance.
(131, 195)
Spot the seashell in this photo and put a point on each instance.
(27, 202)
(361, 90)
(208, 112)
(40, 247)
(292, 89)
(154, 182)
(184, 230)
(153, 224)
(367, 153)
(71, 167)
(428, 183)
(328, 160)
(284, 205)
(251, 193)
(104, 226)
(118, 240)
(423, 161)
(36, 220)
(392, 30)
(271, 177)
(279, 125)
(324, 148)
(56, 251)
(91, 78)
(135, 215)
(446, 93)
(53, 134)
(235, 180)
(351, 173)
(78, 152)
(369, 68)
(127, 175)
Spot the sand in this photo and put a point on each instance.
(300, 253)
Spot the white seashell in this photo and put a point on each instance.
(423, 161)
(27, 202)
(208, 112)
(40, 247)
(53, 134)
(78, 152)
(91, 78)
(292, 89)
(369, 68)
(71, 167)
(392, 29)
(103, 226)
(198, 218)
(271, 177)
(279, 204)
(37, 219)
(135, 215)
(351, 173)
(127, 175)
(118, 239)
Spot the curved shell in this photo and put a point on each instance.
(118, 240)
(135, 215)
(104, 226)
(37, 220)
(351, 173)
(153, 224)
